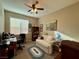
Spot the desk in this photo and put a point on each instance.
(7, 48)
(3, 50)
(12, 46)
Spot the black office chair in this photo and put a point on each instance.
(21, 41)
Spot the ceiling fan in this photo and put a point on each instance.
(34, 8)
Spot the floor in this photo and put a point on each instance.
(23, 54)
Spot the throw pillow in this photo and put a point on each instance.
(41, 37)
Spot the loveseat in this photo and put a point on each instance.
(46, 43)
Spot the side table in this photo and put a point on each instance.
(56, 46)
(57, 50)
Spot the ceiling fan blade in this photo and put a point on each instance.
(36, 12)
(40, 8)
(28, 5)
(29, 10)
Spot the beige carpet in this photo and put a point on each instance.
(23, 54)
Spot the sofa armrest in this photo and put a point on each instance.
(51, 42)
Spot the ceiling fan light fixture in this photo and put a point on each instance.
(34, 10)
(33, 7)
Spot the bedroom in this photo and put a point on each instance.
(65, 12)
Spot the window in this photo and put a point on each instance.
(18, 26)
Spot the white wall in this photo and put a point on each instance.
(68, 21)
(1, 18)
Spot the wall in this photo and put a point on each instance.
(1, 18)
(8, 14)
(68, 21)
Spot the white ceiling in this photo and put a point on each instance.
(50, 6)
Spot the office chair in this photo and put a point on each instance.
(21, 41)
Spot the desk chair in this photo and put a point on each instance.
(21, 41)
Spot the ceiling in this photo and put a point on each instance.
(50, 6)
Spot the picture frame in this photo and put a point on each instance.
(41, 27)
(51, 26)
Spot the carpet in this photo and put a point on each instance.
(36, 52)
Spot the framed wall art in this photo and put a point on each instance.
(41, 27)
(51, 26)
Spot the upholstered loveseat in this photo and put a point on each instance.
(46, 44)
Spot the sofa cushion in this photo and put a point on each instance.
(48, 37)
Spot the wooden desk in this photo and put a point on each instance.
(3, 51)
(12, 47)
(7, 49)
